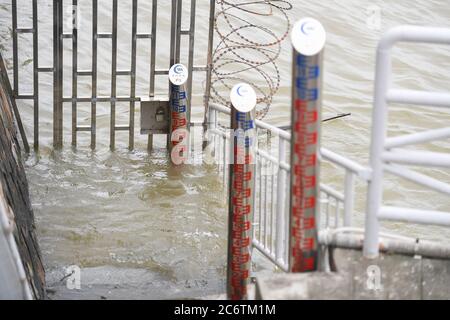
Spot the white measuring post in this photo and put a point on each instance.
(179, 114)
(241, 190)
(308, 40)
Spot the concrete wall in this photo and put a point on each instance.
(16, 210)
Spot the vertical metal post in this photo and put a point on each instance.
(94, 74)
(15, 49)
(212, 16)
(281, 193)
(179, 127)
(113, 78)
(241, 190)
(179, 13)
(308, 38)
(379, 117)
(173, 31)
(58, 74)
(349, 200)
(74, 70)
(36, 75)
(133, 74)
(153, 62)
(191, 56)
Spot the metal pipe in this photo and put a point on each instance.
(57, 74)
(209, 63)
(94, 74)
(305, 146)
(133, 74)
(35, 75)
(241, 188)
(416, 138)
(281, 195)
(349, 198)
(15, 49)
(113, 78)
(74, 70)
(415, 216)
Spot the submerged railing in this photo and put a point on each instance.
(66, 36)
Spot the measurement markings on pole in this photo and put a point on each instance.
(178, 76)
(242, 174)
(308, 41)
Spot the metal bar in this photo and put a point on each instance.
(104, 35)
(58, 74)
(133, 74)
(418, 178)
(421, 98)
(25, 30)
(281, 193)
(84, 73)
(113, 77)
(46, 69)
(161, 72)
(124, 73)
(124, 128)
(173, 31)
(35, 75)
(99, 99)
(415, 216)
(83, 129)
(362, 172)
(417, 158)
(153, 61)
(416, 138)
(349, 201)
(15, 49)
(191, 34)
(25, 97)
(94, 74)
(143, 36)
(153, 48)
(74, 70)
(207, 96)
(178, 32)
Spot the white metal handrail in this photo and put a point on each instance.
(272, 199)
(11, 267)
(385, 153)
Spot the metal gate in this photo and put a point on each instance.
(64, 38)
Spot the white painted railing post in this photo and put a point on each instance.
(349, 198)
(379, 116)
(308, 39)
(281, 194)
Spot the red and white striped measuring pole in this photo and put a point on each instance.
(179, 126)
(241, 190)
(308, 39)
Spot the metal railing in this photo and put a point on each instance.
(69, 40)
(386, 153)
(271, 227)
(271, 214)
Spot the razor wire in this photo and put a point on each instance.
(248, 50)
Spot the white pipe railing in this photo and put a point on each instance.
(271, 237)
(383, 154)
